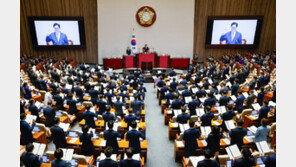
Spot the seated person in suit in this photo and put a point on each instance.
(26, 130)
(87, 147)
(108, 162)
(128, 51)
(237, 134)
(262, 132)
(133, 136)
(89, 116)
(129, 162)
(58, 135)
(28, 158)
(206, 119)
(270, 161)
(145, 49)
(190, 137)
(207, 162)
(49, 114)
(247, 159)
(111, 136)
(184, 117)
(58, 162)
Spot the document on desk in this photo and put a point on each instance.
(253, 129)
(169, 111)
(245, 94)
(68, 86)
(41, 149)
(177, 112)
(218, 96)
(103, 143)
(64, 126)
(221, 109)
(218, 87)
(30, 118)
(216, 123)
(226, 141)
(68, 153)
(194, 90)
(202, 99)
(73, 140)
(250, 138)
(233, 97)
(204, 142)
(175, 125)
(195, 159)
(92, 110)
(197, 124)
(229, 124)
(271, 103)
(228, 84)
(36, 148)
(263, 147)
(200, 112)
(38, 104)
(188, 99)
(233, 151)
(180, 143)
(135, 157)
(205, 130)
(256, 106)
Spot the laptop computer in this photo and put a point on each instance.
(45, 159)
(259, 161)
(229, 163)
(249, 133)
(74, 163)
(73, 134)
(36, 129)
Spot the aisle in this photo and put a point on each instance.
(160, 149)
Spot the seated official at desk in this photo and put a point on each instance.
(26, 130)
(190, 137)
(237, 134)
(183, 117)
(58, 162)
(133, 136)
(247, 159)
(58, 135)
(128, 51)
(145, 49)
(270, 161)
(207, 162)
(28, 158)
(108, 162)
(111, 136)
(87, 147)
(129, 162)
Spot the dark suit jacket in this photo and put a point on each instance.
(107, 163)
(133, 136)
(87, 147)
(237, 135)
(206, 119)
(263, 112)
(60, 163)
(239, 102)
(208, 163)
(244, 162)
(30, 160)
(176, 104)
(190, 136)
(270, 161)
(49, 114)
(192, 106)
(213, 142)
(183, 118)
(111, 137)
(34, 110)
(59, 101)
(260, 98)
(108, 117)
(129, 119)
(223, 101)
(59, 137)
(118, 107)
(237, 39)
(129, 163)
(26, 132)
(89, 118)
(234, 89)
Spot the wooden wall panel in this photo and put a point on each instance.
(205, 8)
(81, 8)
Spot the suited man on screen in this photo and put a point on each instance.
(57, 37)
(231, 37)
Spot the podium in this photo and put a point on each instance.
(146, 66)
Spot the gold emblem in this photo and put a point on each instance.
(146, 16)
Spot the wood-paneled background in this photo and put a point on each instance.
(205, 8)
(82, 8)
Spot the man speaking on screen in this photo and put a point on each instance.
(57, 37)
(231, 37)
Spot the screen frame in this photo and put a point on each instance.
(80, 20)
(209, 32)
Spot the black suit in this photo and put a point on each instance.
(107, 163)
(59, 137)
(26, 132)
(183, 118)
(111, 137)
(190, 137)
(206, 119)
(208, 163)
(129, 163)
(213, 142)
(49, 114)
(87, 147)
(30, 160)
(237, 135)
(244, 162)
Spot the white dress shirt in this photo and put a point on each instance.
(58, 36)
(47, 98)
